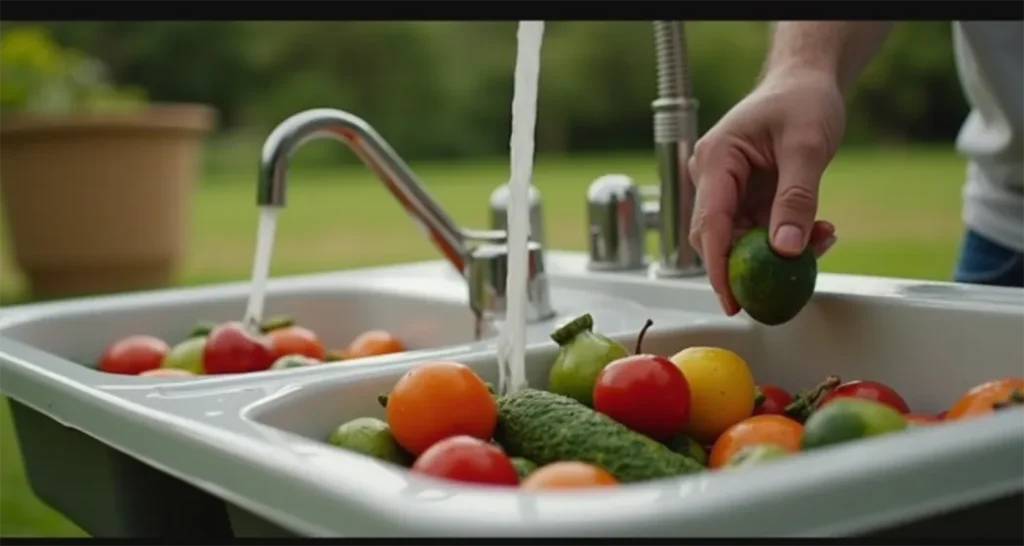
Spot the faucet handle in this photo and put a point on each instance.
(617, 223)
(499, 212)
(487, 271)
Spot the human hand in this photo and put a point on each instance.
(761, 165)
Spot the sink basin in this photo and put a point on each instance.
(423, 315)
(884, 482)
(248, 450)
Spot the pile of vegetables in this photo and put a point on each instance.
(609, 417)
(229, 348)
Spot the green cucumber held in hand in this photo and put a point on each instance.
(582, 354)
(772, 289)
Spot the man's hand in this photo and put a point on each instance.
(761, 166)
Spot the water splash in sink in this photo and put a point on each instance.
(512, 344)
(261, 267)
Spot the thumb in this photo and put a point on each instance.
(796, 199)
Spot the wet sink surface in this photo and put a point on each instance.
(927, 341)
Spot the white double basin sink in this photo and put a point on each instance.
(244, 455)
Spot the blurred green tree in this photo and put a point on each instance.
(443, 89)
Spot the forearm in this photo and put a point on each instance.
(835, 49)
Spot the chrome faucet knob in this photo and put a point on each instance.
(616, 223)
(487, 271)
(499, 212)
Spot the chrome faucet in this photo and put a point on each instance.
(480, 264)
(619, 213)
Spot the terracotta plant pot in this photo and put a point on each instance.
(100, 203)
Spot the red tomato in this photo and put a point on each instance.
(647, 393)
(869, 390)
(296, 340)
(134, 355)
(921, 419)
(775, 401)
(231, 349)
(467, 459)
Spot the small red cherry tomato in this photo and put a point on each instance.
(467, 459)
(869, 390)
(134, 355)
(775, 401)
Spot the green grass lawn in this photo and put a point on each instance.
(897, 214)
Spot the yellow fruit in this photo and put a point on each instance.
(721, 390)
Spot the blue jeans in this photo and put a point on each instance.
(985, 262)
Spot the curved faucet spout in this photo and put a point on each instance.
(376, 153)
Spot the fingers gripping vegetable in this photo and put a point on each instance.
(582, 355)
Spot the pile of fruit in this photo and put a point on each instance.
(609, 417)
(230, 348)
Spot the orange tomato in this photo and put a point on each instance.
(296, 340)
(438, 400)
(759, 429)
(979, 400)
(568, 475)
(373, 343)
(921, 419)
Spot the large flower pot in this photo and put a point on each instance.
(100, 203)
